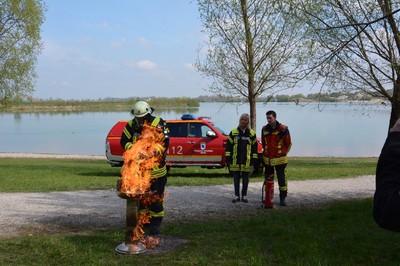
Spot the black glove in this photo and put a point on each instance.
(228, 161)
(254, 162)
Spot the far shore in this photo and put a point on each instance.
(50, 155)
(103, 157)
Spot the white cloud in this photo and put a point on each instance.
(146, 65)
(189, 66)
(85, 41)
(143, 41)
(63, 55)
(53, 51)
(105, 25)
(94, 62)
(129, 63)
(118, 43)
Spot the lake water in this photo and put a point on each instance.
(337, 130)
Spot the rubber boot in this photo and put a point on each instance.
(282, 198)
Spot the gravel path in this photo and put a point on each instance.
(77, 211)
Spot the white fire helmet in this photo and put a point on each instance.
(141, 109)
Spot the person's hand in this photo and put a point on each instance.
(396, 127)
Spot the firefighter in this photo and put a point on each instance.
(241, 155)
(276, 142)
(142, 113)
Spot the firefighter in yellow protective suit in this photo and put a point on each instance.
(241, 156)
(143, 114)
(276, 142)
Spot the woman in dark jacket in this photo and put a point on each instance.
(241, 155)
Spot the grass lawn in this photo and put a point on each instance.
(43, 174)
(340, 234)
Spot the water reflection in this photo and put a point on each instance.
(340, 130)
(17, 118)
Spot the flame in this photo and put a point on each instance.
(151, 242)
(136, 176)
(140, 159)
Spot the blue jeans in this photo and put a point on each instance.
(236, 182)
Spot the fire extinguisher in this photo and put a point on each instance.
(268, 188)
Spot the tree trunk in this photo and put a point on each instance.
(250, 65)
(253, 115)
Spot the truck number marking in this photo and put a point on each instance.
(175, 149)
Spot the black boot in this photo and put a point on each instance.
(154, 230)
(282, 198)
(154, 226)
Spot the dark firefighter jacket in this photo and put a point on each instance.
(241, 150)
(386, 210)
(132, 132)
(276, 143)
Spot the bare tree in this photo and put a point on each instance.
(252, 48)
(355, 46)
(20, 23)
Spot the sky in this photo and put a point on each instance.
(101, 48)
(94, 49)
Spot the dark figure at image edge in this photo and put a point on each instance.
(276, 142)
(386, 210)
(132, 131)
(241, 156)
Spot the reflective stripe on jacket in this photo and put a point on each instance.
(241, 148)
(276, 143)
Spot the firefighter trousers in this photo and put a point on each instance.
(156, 207)
(280, 173)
